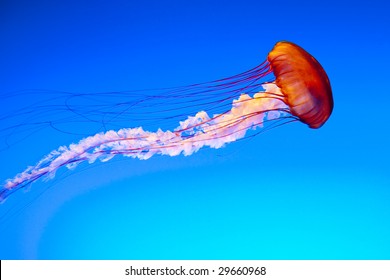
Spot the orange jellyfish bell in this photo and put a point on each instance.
(303, 82)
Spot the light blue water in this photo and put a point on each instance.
(291, 193)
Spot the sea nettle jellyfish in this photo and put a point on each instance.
(290, 85)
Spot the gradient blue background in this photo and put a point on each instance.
(291, 193)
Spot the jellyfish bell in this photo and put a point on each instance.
(303, 82)
(290, 85)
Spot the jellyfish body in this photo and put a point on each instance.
(303, 82)
(300, 92)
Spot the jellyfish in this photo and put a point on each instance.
(289, 86)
